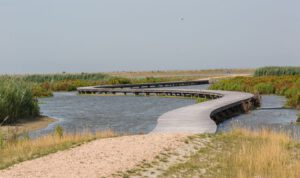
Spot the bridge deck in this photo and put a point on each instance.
(198, 118)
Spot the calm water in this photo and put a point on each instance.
(120, 113)
(276, 119)
(139, 114)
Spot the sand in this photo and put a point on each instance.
(100, 158)
(29, 125)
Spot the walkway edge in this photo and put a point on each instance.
(204, 117)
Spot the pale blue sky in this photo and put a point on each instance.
(120, 35)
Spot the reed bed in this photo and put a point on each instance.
(40, 78)
(16, 101)
(277, 71)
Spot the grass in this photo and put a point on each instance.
(16, 101)
(41, 78)
(192, 74)
(18, 92)
(278, 71)
(201, 100)
(242, 154)
(264, 88)
(44, 84)
(288, 86)
(14, 150)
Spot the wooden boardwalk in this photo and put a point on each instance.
(198, 118)
(204, 117)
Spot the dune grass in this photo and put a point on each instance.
(243, 154)
(14, 149)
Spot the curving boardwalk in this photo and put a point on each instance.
(198, 118)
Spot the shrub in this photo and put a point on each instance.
(298, 119)
(288, 86)
(294, 101)
(118, 80)
(40, 91)
(264, 88)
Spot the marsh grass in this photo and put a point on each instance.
(288, 86)
(181, 73)
(16, 101)
(41, 78)
(24, 148)
(273, 70)
(244, 154)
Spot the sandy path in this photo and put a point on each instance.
(98, 158)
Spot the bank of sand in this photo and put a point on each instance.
(99, 158)
(29, 125)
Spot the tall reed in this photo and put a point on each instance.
(16, 101)
(272, 70)
(40, 78)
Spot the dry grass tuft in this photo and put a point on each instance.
(243, 154)
(263, 154)
(16, 151)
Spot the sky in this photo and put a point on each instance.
(48, 36)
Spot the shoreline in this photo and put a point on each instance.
(29, 125)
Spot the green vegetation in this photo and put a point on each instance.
(264, 88)
(59, 131)
(18, 92)
(14, 149)
(44, 84)
(298, 119)
(288, 86)
(16, 101)
(41, 78)
(191, 74)
(278, 71)
(201, 100)
(242, 154)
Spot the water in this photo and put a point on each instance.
(128, 114)
(275, 119)
(133, 114)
